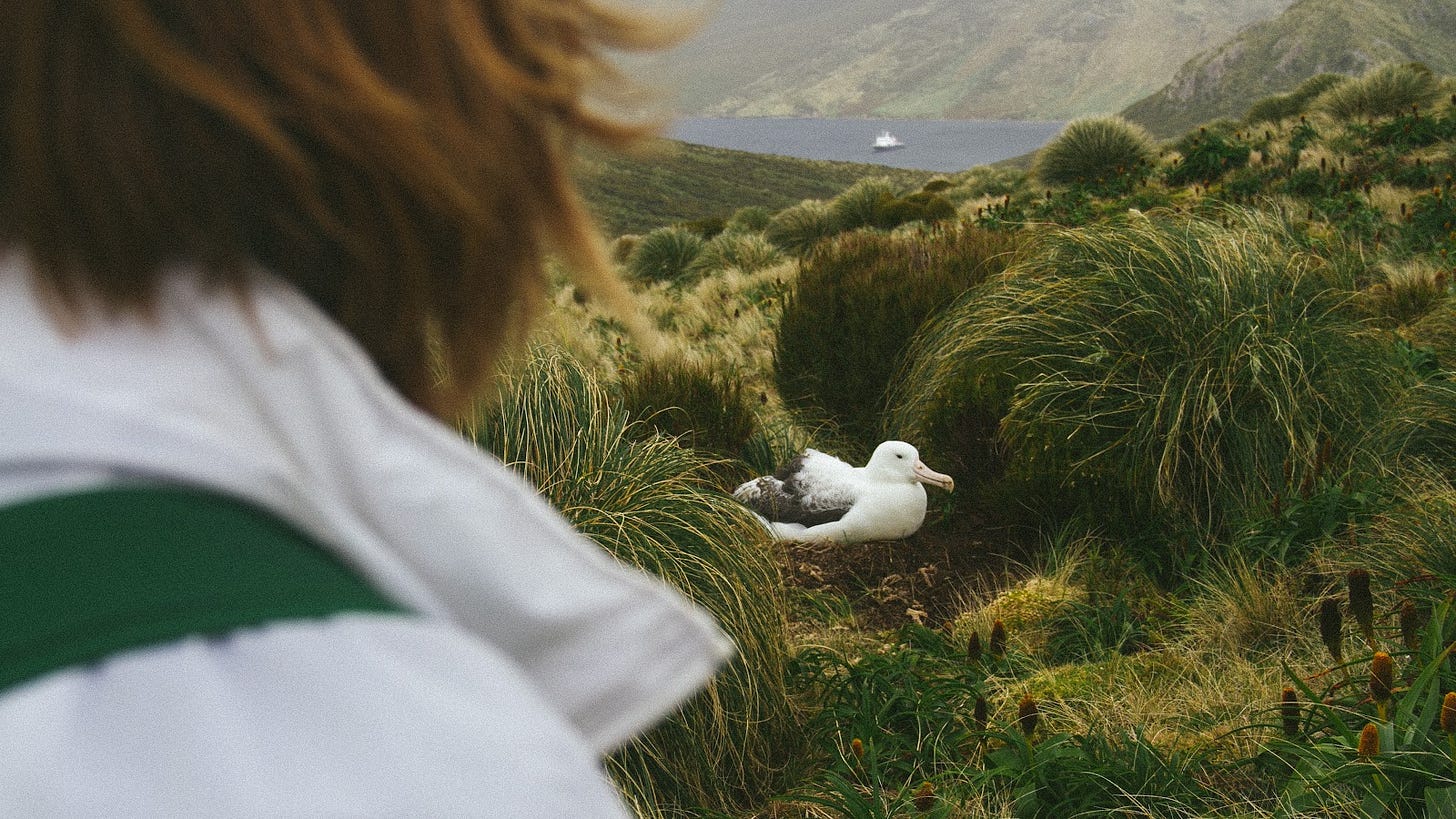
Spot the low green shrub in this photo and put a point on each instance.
(858, 300)
(988, 180)
(707, 227)
(919, 207)
(648, 502)
(1095, 151)
(1384, 91)
(665, 255)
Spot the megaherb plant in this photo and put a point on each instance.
(1208, 154)
(648, 502)
(887, 722)
(1162, 372)
(1062, 774)
(1372, 738)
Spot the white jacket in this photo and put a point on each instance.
(536, 653)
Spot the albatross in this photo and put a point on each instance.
(818, 497)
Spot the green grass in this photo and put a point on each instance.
(651, 503)
(1176, 364)
(667, 254)
(678, 182)
(1391, 89)
(1278, 107)
(1205, 397)
(859, 300)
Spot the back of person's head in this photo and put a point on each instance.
(404, 162)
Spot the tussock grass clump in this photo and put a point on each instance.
(866, 203)
(857, 302)
(726, 320)
(1435, 331)
(798, 228)
(647, 502)
(1408, 292)
(1094, 151)
(990, 181)
(1174, 365)
(748, 219)
(665, 255)
(1385, 91)
(1408, 547)
(746, 251)
(703, 408)
(622, 247)
(1248, 610)
(1420, 428)
(1279, 107)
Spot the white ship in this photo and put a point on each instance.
(887, 141)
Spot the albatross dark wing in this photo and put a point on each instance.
(809, 490)
(783, 501)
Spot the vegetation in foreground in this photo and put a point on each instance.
(1203, 417)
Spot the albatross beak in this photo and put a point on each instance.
(925, 474)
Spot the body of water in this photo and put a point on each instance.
(929, 144)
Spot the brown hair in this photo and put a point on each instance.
(403, 162)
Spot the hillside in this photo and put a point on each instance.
(1200, 407)
(675, 182)
(1312, 36)
(944, 58)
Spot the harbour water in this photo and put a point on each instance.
(930, 144)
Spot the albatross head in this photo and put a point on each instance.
(902, 460)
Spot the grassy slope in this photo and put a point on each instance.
(1313, 36)
(1253, 625)
(677, 182)
(945, 58)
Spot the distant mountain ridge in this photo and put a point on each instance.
(993, 59)
(1311, 37)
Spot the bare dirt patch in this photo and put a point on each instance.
(926, 578)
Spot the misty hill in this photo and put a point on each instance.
(945, 58)
(1311, 37)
